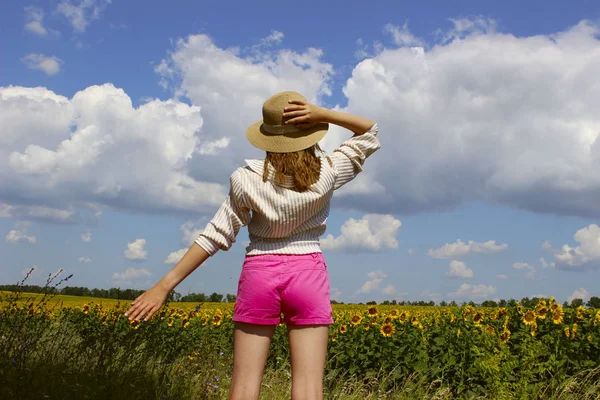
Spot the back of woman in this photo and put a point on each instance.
(285, 201)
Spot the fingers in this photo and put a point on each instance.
(138, 311)
(294, 113)
(299, 102)
(298, 120)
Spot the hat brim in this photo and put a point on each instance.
(285, 143)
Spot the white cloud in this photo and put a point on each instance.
(372, 232)
(546, 264)
(410, 252)
(546, 245)
(389, 290)
(580, 293)
(97, 150)
(175, 256)
(515, 121)
(131, 274)
(85, 260)
(464, 27)
(375, 279)
(81, 12)
(460, 249)
(523, 265)
(501, 276)
(402, 36)
(86, 237)
(19, 234)
(135, 250)
(34, 22)
(586, 253)
(50, 65)
(458, 269)
(38, 212)
(467, 291)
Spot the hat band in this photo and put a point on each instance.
(280, 129)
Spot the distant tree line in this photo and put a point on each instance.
(117, 293)
(131, 294)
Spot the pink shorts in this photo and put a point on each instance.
(297, 285)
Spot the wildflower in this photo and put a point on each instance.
(557, 315)
(478, 317)
(387, 330)
(343, 329)
(529, 318)
(356, 319)
(505, 336)
(533, 329)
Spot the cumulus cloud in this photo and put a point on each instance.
(460, 249)
(515, 120)
(85, 260)
(458, 269)
(389, 290)
(547, 264)
(402, 36)
(587, 253)
(80, 13)
(580, 293)
(372, 232)
(131, 274)
(135, 250)
(175, 256)
(50, 65)
(34, 22)
(523, 265)
(19, 234)
(97, 150)
(375, 279)
(466, 291)
(86, 237)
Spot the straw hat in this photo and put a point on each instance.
(271, 134)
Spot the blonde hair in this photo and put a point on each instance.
(303, 166)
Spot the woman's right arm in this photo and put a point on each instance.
(304, 115)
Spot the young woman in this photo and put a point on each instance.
(285, 202)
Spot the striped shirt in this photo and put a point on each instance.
(281, 220)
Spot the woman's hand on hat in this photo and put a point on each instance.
(303, 114)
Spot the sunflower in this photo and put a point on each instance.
(505, 336)
(372, 311)
(542, 312)
(493, 315)
(404, 316)
(557, 315)
(490, 330)
(356, 319)
(519, 308)
(502, 312)
(533, 329)
(468, 311)
(478, 317)
(580, 311)
(574, 331)
(86, 308)
(185, 322)
(387, 330)
(343, 329)
(567, 332)
(452, 318)
(134, 324)
(597, 319)
(394, 313)
(374, 320)
(170, 323)
(529, 318)
(388, 320)
(217, 319)
(554, 306)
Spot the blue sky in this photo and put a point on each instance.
(120, 121)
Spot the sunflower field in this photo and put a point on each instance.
(467, 351)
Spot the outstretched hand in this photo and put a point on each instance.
(303, 114)
(148, 303)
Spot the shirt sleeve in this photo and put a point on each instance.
(348, 159)
(221, 231)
